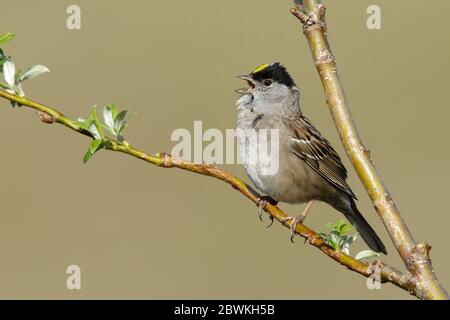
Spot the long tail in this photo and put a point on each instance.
(364, 229)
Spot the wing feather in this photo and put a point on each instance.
(308, 144)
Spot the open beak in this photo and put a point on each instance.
(251, 84)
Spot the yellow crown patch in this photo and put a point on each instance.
(261, 68)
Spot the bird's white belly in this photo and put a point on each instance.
(285, 185)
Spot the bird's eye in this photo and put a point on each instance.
(268, 82)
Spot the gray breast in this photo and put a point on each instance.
(294, 181)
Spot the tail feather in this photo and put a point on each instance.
(365, 230)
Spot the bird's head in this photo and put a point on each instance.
(268, 84)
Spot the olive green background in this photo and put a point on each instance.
(142, 232)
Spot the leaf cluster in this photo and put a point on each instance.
(114, 121)
(339, 240)
(14, 78)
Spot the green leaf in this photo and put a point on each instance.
(91, 116)
(19, 90)
(108, 118)
(337, 237)
(366, 254)
(94, 125)
(345, 228)
(9, 72)
(113, 109)
(93, 148)
(340, 224)
(94, 130)
(329, 240)
(121, 130)
(7, 87)
(32, 72)
(2, 60)
(87, 156)
(332, 244)
(6, 38)
(335, 234)
(119, 121)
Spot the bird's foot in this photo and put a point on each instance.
(294, 222)
(261, 203)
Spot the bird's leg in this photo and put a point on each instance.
(299, 219)
(261, 203)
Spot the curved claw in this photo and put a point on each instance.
(271, 222)
(292, 238)
(291, 227)
(294, 223)
(261, 206)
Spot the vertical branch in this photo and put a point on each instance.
(311, 14)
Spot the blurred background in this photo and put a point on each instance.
(140, 232)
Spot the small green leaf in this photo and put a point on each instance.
(2, 60)
(120, 136)
(332, 244)
(108, 118)
(339, 224)
(120, 121)
(114, 109)
(31, 72)
(94, 125)
(6, 38)
(87, 156)
(345, 228)
(337, 237)
(94, 130)
(366, 254)
(329, 240)
(335, 234)
(9, 72)
(95, 145)
(93, 148)
(7, 87)
(91, 116)
(19, 90)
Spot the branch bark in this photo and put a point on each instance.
(387, 273)
(311, 14)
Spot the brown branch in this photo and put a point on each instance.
(415, 255)
(387, 273)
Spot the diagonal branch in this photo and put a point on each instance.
(387, 273)
(311, 14)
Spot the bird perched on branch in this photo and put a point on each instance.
(309, 168)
